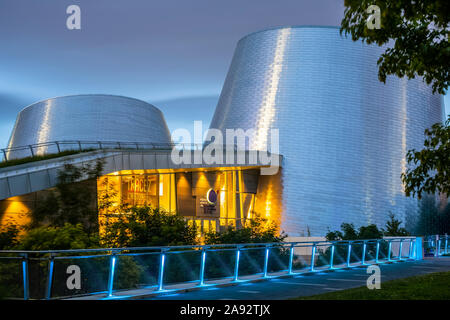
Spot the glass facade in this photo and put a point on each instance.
(185, 193)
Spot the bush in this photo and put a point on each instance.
(257, 230)
(348, 232)
(57, 238)
(8, 237)
(147, 226)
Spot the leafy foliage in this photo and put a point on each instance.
(147, 226)
(350, 233)
(432, 164)
(419, 30)
(57, 238)
(8, 237)
(257, 230)
(72, 201)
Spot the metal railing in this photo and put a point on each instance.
(213, 224)
(55, 147)
(203, 264)
(436, 245)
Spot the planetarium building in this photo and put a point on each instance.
(343, 134)
(90, 117)
(343, 139)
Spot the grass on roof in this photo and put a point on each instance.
(15, 162)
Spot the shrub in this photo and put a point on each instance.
(57, 238)
(8, 237)
(256, 230)
(147, 226)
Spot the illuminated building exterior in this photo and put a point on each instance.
(343, 134)
(343, 140)
(211, 198)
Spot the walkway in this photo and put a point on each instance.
(284, 287)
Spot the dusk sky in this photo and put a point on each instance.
(171, 53)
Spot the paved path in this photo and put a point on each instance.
(311, 284)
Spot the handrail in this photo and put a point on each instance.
(81, 145)
(409, 243)
(264, 244)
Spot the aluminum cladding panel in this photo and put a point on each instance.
(343, 134)
(89, 118)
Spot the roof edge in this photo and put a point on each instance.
(89, 94)
(290, 26)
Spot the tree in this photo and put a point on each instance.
(431, 172)
(419, 31)
(72, 202)
(393, 227)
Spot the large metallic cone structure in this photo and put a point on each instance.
(90, 117)
(343, 134)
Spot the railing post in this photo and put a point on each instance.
(266, 261)
(31, 149)
(291, 258)
(409, 249)
(446, 243)
(51, 263)
(112, 270)
(4, 155)
(400, 249)
(162, 260)
(363, 258)
(377, 254)
(389, 250)
(332, 256)
(313, 254)
(413, 249)
(436, 251)
(349, 253)
(79, 145)
(202, 267)
(26, 284)
(57, 146)
(236, 264)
